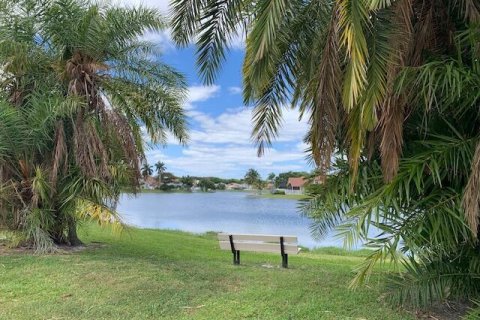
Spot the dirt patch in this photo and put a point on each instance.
(61, 249)
(5, 250)
(445, 311)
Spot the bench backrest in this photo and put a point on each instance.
(258, 243)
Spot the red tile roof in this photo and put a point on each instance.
(296, 182)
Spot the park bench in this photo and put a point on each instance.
(284, 245)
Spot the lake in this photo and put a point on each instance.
(235, 212)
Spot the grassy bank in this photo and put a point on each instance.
(283, 196)
(147, 274)
(163, 191)
(264, 194)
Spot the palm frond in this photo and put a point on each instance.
(354, 20)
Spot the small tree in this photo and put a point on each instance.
(252, 177)
(271, 177)
(206, 184)
(260, 185)
(187, 182)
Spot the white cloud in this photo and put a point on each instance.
(163, 39)
(235, 90)
(235, 126)
(228, 161)
(202, 93)
(238, 42)
(221, 146)
(161, 5)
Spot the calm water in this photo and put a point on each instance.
(236, 212)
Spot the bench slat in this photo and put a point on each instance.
(257, 237)
(260, 247)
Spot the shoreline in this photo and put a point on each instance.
(265, 195)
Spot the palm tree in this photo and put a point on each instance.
(252, 177)
(389, 88)
(147, 170)
(83, 83)
(160, 167)
(271, 178)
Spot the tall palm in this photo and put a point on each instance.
(84, 83)
(147, 170)
(390, 86)
(161, 168)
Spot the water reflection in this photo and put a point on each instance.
(235, 212)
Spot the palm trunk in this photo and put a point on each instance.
(72, 233)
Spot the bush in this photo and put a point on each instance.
(282, 192)
(166, 187)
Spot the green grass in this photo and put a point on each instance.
(283, 196)
(342, 252)
(149, 274)
(163, 191)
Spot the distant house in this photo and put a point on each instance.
(296, 185)
(282, 185)
(150, 183)
(175, 184)
(235, 186)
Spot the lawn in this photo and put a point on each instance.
(149, 274)
(283, 196)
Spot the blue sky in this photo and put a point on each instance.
(219, 123)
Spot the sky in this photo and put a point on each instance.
(219, 123)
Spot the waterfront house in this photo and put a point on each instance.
(296, 185)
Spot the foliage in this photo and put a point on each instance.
(166, 187)
(168, 177)
(260, 184)
(206, 185)
(160, 168)
(147, 170)
(187, 181)
(78, 86)
(392, 89)
(271, 177)
(252, 177)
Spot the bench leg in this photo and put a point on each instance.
(284, 260)
(236, 257)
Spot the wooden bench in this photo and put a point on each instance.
(284, 245)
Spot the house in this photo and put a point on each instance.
(282, 185)
(235, 186)
(296, 185)
(150, 183)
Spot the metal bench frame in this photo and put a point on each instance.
(236, 253)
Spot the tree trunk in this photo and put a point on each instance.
(57, 236)
(72, 233)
